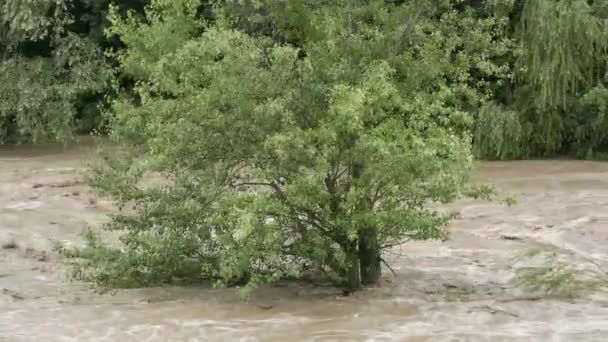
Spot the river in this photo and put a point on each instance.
(463, 289)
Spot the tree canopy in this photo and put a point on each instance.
(53, 73)
(314, 154)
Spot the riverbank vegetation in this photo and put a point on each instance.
(539, 65)
(298, 135)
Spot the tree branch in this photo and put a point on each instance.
(389, 267)
(377, 194)
(252, 184)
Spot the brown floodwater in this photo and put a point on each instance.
(464, 289)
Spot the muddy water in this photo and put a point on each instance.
(460, 290)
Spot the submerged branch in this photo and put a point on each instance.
(389, 267)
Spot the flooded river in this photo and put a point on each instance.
(461, 290)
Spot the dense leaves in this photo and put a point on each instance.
(560, 56)
(44, 70)
(534, 59)
(53, 74)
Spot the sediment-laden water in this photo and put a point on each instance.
(460, 290)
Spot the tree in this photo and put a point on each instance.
(559, 64)
(565, 46)
(45, 69)
(284, 155)
(53, 74)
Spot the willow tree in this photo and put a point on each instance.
(565, 44)
(559, 57)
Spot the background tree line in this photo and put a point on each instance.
(53, 72)
(546, 97)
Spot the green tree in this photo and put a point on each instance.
(44, 70)
(279, 155)
(559, 55)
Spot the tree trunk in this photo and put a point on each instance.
(354, 270)
(369, 256)
(368, 249)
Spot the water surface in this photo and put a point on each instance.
(460, 290)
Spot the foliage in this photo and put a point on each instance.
(499, 133)
(564, 41)
(536, 58)
(556, 279)
(41, 95)
(53, 75)
(560, 56)
(277, 157)
(591, 122)
(44, 70)
(131, 269)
